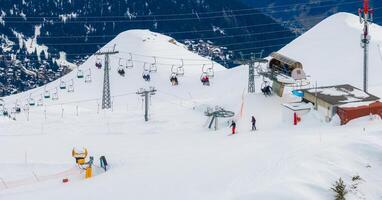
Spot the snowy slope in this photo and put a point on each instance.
(331, 53)
(174, 155)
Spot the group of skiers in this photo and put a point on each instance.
(98, 65)
(174, 80)
(267, 90)
(121, 72)
(146, 76)
(205, 80)
(253, 122)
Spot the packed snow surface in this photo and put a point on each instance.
(174, 155)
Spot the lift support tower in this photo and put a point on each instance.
(106, 99)
(366, 18)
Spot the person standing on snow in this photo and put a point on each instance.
(233, 125)
(253, 123)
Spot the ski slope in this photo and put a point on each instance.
(174, 155)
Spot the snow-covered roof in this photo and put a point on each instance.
(341, 94)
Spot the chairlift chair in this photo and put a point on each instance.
(204, 78)
(40, 101)
(46, 94)
(55, 95)
(71, 86)
(174, 79)
(31, 101)
(62, 85)
(5, 112)
(180, 69)
(121, 71)
(80, 73)
(16, 109)
(98, 63)
(146, 75)
(153, 66)
(266, 88)
(209, 70)
(88, 78)
(129, 62)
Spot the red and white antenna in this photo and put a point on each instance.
(365, 18)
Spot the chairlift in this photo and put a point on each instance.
(121, 72)
(80, 73)
(55, 95)
(98, 63)
(5, 112)
(46, 94)
(153, 66)
(16, 109)
(31, 101)
(62, 85)
(88, 78)
(209, 70)
(71, 86)
(40, 101)
(266, 88)
(204, 78)
(174, 79)
(146, 73)
(129, 62)
(180, 69)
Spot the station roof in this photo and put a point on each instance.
(341, 94)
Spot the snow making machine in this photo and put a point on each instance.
(80, 156)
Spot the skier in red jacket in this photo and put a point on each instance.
(233, 125)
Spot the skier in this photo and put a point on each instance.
(253, 123)
(233, 125)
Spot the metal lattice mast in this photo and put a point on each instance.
(366, 16)
(106, 96)
(251, 77)
(255, 58)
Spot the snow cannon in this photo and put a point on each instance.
(80, 155)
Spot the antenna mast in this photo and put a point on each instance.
(366, 18)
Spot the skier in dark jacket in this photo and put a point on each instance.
(233, 125)
(253, 123)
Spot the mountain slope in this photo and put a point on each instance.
(335, 55)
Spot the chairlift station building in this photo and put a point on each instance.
(328, 99)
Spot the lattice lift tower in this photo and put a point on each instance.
(106, 98)
(254, 61)
(366, 18)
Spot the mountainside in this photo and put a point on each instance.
(302, 15)
(33, 32)
(337, 35)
